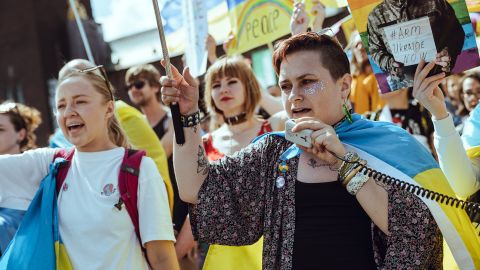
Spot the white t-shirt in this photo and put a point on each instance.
(96, 235)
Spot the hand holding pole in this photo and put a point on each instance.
(175, 109)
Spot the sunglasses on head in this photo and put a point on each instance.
(137, 84)
(103, 76)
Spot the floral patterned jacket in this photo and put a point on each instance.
(239, 202)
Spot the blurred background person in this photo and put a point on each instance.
(453, 99)
(469, 95)
(17, 126)
(365, 96)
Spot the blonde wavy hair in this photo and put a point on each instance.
(97, 77)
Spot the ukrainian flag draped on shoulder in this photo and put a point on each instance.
(391, 150)
(37, 243)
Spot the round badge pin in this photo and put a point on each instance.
(280, 182)
(108, 190)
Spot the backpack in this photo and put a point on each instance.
(127, 181)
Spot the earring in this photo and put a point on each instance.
(346, 112)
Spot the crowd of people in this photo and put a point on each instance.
(239, 194)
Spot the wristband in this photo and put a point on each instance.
(190, 120)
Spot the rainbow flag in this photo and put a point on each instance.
(391, 150)
(37, 243)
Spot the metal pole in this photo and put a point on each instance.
(86, 45)
(174, 108)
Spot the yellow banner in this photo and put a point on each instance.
(258, 22)
(473, 5)
(334, 3)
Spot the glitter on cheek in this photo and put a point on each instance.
(315, 87)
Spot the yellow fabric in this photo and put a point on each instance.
(62, 260)
(473, 152)
(364, 95)
(141, 136)
(234, 258)
(434, 179)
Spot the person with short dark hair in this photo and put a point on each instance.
(313, 206)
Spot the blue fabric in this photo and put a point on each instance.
(33, 245)
(471, 129)
(9, 221)
(59, 141)
(382, 140)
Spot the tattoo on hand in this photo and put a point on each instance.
(194, 128)
(202, 162)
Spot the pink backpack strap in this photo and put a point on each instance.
(128, 185)
(63, 168)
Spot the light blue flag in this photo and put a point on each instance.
(471, 129)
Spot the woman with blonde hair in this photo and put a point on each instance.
(95, 229)
(18, 123)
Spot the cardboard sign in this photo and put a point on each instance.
(411, 41)
(397, 34)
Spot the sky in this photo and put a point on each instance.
(121, 18)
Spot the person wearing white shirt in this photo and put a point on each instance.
(96, 235)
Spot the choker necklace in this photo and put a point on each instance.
(237, 119)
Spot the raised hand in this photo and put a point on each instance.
(211, 46)
(318, 11)
(181, 89)
(299, 21)
(427, 92)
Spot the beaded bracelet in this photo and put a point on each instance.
(190, 120)
(357, 183)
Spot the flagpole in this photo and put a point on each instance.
(175, 109)
(86, 45)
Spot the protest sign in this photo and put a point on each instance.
(196, 22)
(423, 29)
(258, 22)
(411, 41)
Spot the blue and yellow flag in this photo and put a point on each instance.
(37, 243)
(391, 150)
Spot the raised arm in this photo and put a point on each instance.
(452, 156)
(189, 159)
(20, 176)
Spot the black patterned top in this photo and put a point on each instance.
(239, 202)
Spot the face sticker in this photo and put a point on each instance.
(315, 88)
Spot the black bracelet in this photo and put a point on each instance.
(190, 120)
